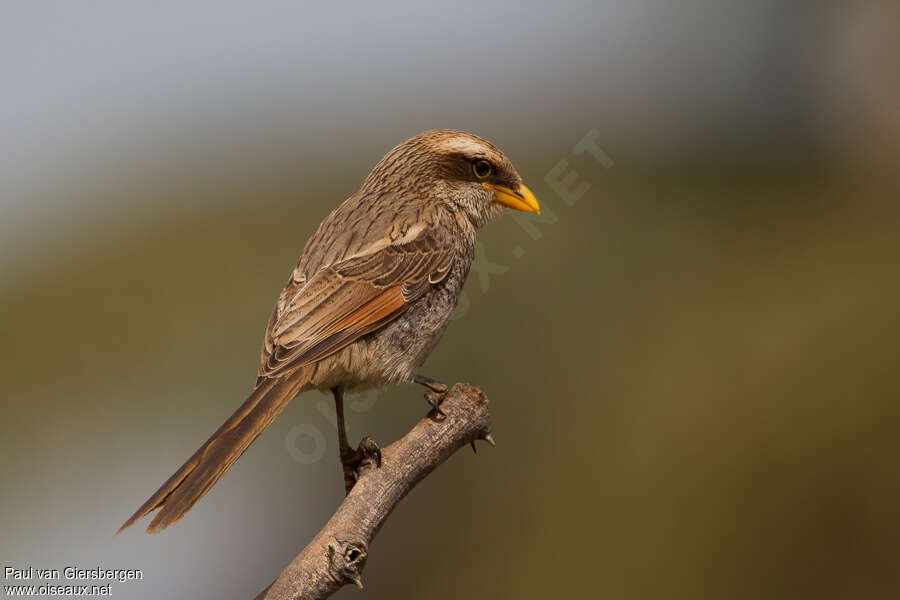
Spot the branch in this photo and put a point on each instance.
(337, 555)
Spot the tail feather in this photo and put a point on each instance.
(202, 470)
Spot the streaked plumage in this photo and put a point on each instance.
(371, 295)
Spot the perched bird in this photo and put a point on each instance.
(368, 301)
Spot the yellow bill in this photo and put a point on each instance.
(519, 199)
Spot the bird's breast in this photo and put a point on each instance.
(395, 352)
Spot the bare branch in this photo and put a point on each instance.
(337, 555)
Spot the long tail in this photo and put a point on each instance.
(202, 470)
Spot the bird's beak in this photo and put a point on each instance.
(519, 199)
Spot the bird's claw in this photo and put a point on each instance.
(438, 387)
(435, 399)
(354, 461)
(369, 452)
(365, 454)
(432, 384)
(435, 394)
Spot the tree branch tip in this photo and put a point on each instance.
(470, 391)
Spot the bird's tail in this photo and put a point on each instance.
(202, 470)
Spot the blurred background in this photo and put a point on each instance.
(691, 356)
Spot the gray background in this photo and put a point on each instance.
(692, 368)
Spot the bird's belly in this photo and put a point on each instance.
(401, 347)
(394, 353)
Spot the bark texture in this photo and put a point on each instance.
(338, 553)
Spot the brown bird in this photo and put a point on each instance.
(369, 299)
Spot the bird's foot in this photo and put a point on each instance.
(354, 461)
(435, 399)
(435, 393)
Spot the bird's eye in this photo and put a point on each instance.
(482, 169)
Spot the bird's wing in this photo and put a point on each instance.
(352, 297)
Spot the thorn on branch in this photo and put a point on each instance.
(337, 555)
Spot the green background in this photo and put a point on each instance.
(692, 370)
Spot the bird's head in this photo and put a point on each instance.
(467, 173)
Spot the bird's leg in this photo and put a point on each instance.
(352, 459)
(435, 395)
(436, 392)
(432, 384)
(346, 452)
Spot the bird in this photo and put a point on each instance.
(369, 299)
